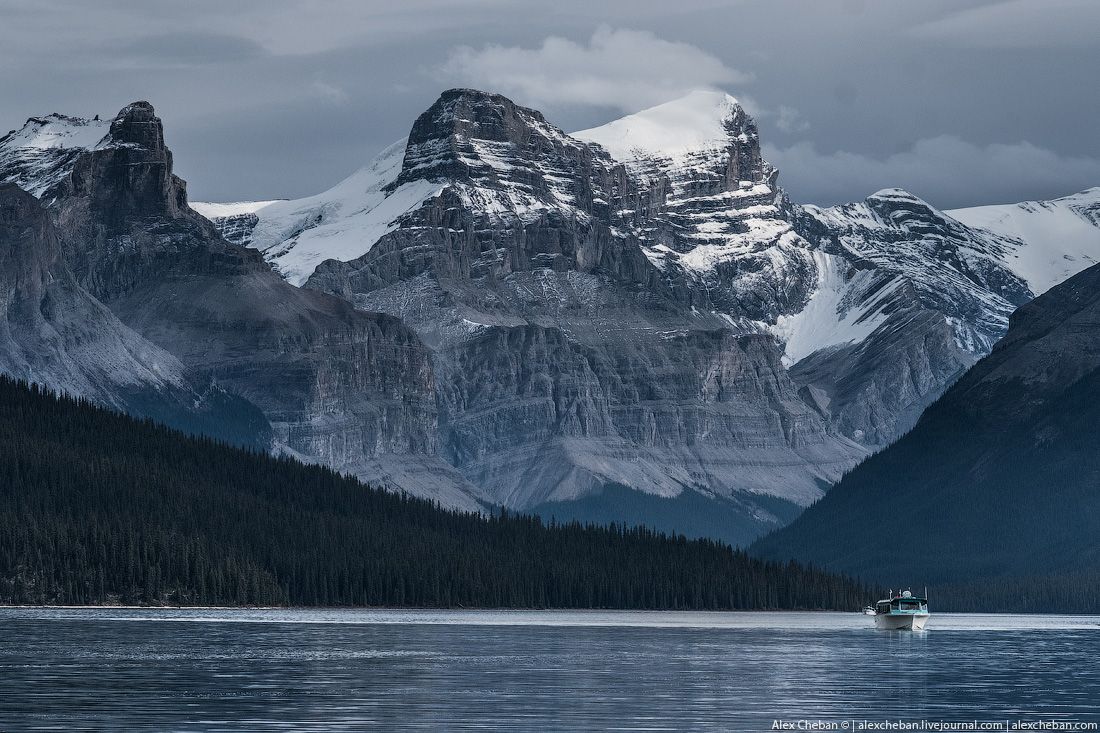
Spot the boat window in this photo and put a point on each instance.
(910, 605)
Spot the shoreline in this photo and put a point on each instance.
(440, 609)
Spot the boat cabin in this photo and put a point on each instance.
(904, 602)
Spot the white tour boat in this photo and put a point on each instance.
(902, 611)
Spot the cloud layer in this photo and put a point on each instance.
(276, 98)
(1053, 24)
(617, 68)
(945, 169)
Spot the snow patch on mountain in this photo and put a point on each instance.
(232, 208)
(41, 153)
(830, 318)
(1054, 239)
(59, 131)
(342, 223)
(669, 130)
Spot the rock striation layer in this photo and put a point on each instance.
(566, 362)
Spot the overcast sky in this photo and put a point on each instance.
(963, 102)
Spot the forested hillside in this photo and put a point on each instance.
(96, 507)
(994, 497)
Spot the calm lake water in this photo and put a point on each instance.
(304, 670)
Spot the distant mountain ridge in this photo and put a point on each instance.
(875, 319)
(633, 319)
(838, 286)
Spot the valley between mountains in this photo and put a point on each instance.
(628, 323)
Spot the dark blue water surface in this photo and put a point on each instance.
(302, 670)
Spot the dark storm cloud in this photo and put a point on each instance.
(965, 101)
(187, 48)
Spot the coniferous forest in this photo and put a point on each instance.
(97, 507)
(994, 514)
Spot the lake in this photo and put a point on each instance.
(305, 670)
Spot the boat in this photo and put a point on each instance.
(903, 611)
(868, 610)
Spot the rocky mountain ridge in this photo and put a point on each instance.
(330, 383)
(579, 325)
(566, 362)
(878, 306)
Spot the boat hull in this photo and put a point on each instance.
(901, 621)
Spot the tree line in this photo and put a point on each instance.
(97, 507)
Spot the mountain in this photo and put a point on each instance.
(632, 322)
(79, 524)
(996, 486)
(570, 370)
(939, 286)
(635, 321)
(54, 332)
(879, 305)
(714, 222)
(350, 389)
(1054, 239)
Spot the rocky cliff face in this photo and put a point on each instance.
(351, 389)
(880, 305)
(566, 361)
(926, 295)
(54, 333)
(512, 193)
(640, 306)
(715, 222)
(932, 294)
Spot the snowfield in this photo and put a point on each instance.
(342, 223)
(1056, 239)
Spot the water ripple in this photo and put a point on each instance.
(309, 670)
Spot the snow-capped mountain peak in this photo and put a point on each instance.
(41, 153)
(508, 162)
(501, 159)
(716, 216)
(41, 156)
(341, 223)
(684, 182)
(59, 131)
(692, 122)
(1052, 240)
